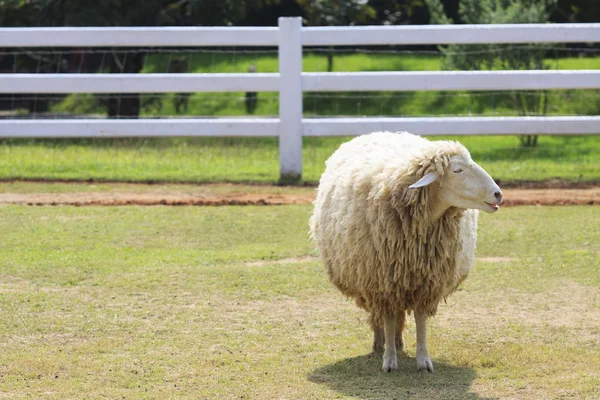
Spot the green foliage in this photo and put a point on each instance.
(147, 13)
(18, 13)
(500, 56)
(576, 11)
(338, 12)
(494, 56)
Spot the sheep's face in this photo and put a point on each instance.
(465, 184)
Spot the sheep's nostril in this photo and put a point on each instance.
(498, 195)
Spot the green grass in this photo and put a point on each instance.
(257, 160)
(229, 302)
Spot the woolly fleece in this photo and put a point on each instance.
(376, 237)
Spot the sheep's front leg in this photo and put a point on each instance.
(423, 359)
(390, 358)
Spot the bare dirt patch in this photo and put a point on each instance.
(569, 305)
(198, 198)
(552, 196)
(240, 194)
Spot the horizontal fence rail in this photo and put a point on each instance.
(450, 34)
(311, 82)
(85, 128)
(455, 126)
(290, 37)
(269, 127)
(311, 36)
(171, 36)
(451, 80)
(138, 83)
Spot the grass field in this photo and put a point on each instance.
(230, 302)
(257, 160)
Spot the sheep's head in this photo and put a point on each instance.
(462, 183)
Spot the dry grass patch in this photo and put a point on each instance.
(231, 302)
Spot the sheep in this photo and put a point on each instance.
(393, 240)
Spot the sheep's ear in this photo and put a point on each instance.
(427, 179)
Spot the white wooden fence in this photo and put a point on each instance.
(290, 82)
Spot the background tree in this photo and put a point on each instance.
(15, 13)
(107, 13)
(500, 56)
(266, 13)
(113, 13)
(576, 11)
(400, 12)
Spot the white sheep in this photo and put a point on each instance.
(393, 240)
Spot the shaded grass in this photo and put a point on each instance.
(167, 302)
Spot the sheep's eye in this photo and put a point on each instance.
(458, 171)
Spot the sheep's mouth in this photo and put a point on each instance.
(493, 207)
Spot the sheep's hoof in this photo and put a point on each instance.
(424, 363)
(390, 364)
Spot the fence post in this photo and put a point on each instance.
(290, 99)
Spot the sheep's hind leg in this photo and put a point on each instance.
(423, 359)
(379, 334)
(378, 340)
(390, 358)
(400, 325)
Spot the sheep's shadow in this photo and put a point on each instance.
(362, 377)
